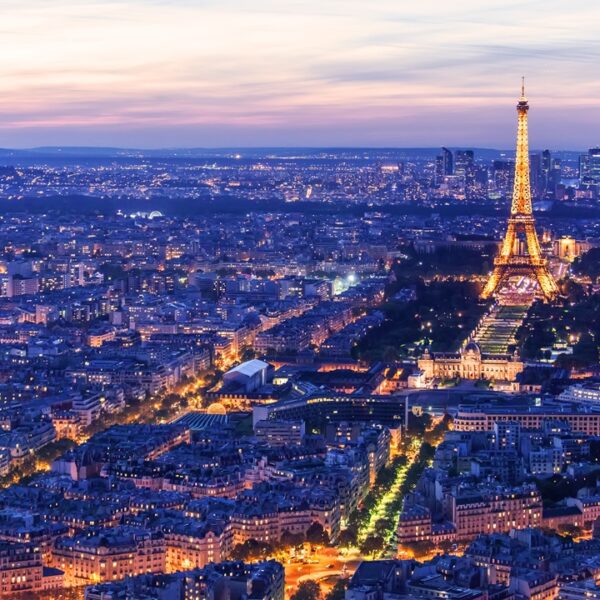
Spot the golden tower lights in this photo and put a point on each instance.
(515, 258)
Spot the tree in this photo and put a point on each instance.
(570, 530)
(418, 424)
(384, 525)
(574, 291)
(372, 544)
(240, 551)
(586, 350)
(347, 538)
(588, 264)
(251, 550)
(369, 502)
(442, 311)
(385, 477)
(248, 353)
(434, 435)
(315, 534)
(445, 546)
(338, 591)
(291, 539)
(307, 590)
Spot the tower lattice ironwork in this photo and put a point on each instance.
(521, 257)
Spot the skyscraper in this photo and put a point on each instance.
(589, 167)
(584, 166)
(594, 165)
(537, 180)
(448, 161)
(444, 165)
(503, 172)
(546, 187)
(589, 174)
(464, 161)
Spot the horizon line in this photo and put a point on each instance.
(59, 147)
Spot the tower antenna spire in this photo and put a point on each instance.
(523, 86)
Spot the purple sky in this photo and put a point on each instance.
(155, 73)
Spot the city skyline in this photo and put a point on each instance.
(148, 74)
(293, 305)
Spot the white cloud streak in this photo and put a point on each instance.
(214, 72)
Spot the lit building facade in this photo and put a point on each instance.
(470, 363)
(109, 556)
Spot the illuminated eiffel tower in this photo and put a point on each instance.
(521, 257)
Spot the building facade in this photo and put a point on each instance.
(470, 363)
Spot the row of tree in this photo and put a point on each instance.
(572, 322)
(311, 590)
(440, 316)
(252, 550)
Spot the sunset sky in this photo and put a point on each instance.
(157, 73)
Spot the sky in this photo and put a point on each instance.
(214, 73)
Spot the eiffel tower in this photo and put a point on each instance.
(517, 257)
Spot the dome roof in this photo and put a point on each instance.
(473, 347)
